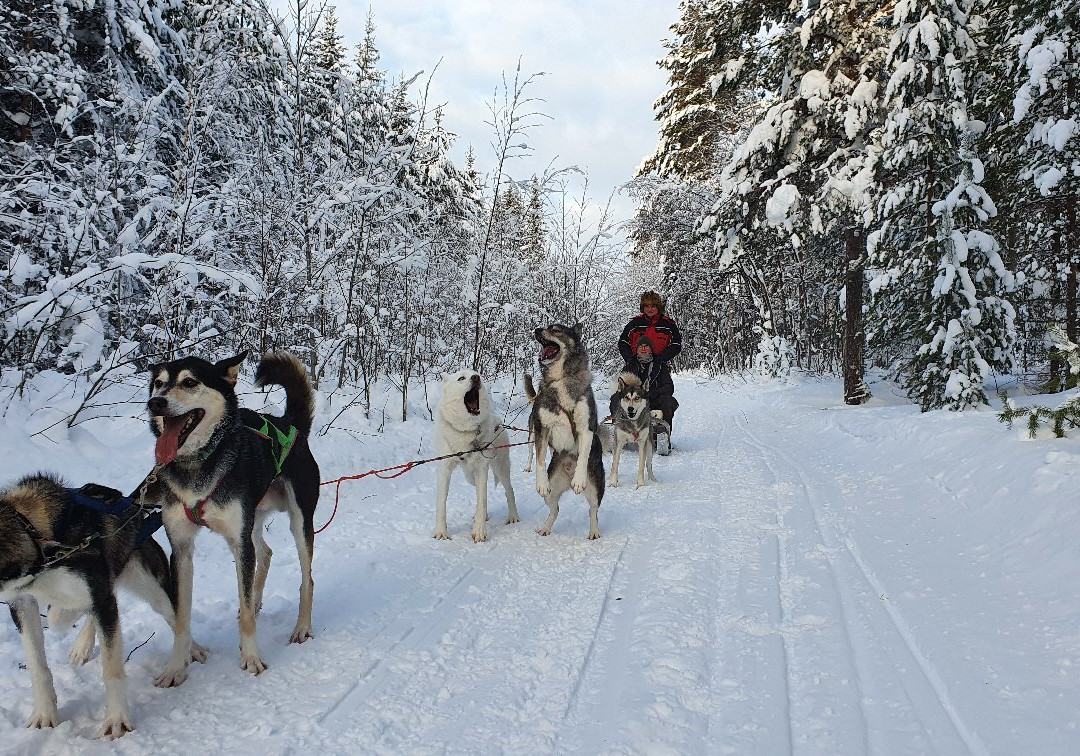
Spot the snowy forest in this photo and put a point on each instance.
(837, 185)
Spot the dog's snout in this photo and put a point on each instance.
(630, 412)
(157, 405)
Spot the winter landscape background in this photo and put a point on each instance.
(863, 217)
(807, 577)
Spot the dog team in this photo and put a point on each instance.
(228, 468)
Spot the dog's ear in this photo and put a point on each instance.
(577, 329)
(622, 383)
(230, 368)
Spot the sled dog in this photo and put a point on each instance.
(41, 521)
(631, 422)
(564, 420)
(229, 468)
(465, 425)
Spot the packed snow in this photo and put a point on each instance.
(806, 577)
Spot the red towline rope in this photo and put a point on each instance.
(401, 470)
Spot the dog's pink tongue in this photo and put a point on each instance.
(168, 442)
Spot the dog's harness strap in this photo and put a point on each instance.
(196, 512)
(280, 443)
(111, 502)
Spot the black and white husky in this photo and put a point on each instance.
(229, 468)
(465, 425)
(631, 421)
(42, 524)
(564, 420)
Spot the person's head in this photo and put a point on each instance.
(644, 349)
(651, 304)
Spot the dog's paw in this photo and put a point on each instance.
(613, 482)
(544, 489)
(512, 518)
(45, 716)
(594, 534)
(479, 535)
(543, 531)
(171, 678)
(198, 653)
(116, 725)
(253, 663)
(441, 535)
(578, 483)
(300, 634)
(81, 653)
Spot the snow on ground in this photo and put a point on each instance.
(805, 578)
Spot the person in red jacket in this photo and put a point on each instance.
(660, 341)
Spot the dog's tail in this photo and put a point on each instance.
(530, 391)
(285, 370)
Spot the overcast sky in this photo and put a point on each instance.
(598, 58)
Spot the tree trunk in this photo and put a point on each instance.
(1072, 328)
(855, 389)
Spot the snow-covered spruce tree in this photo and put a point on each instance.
(796, 184)
(1033, 51)
(940, 286)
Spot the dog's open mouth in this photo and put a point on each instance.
(472, 398)
(548, 351)
(174, 432)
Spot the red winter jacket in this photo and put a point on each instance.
(662, 332)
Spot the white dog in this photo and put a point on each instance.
(465, 425)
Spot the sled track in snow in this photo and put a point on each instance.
(404, 632)
(837, 540)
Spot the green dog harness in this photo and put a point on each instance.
(280, 443)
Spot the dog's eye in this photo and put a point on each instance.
(461, 377)
(189, 383)
(158, 383)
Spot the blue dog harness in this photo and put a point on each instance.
(110, 502)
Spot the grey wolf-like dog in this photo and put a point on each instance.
(38, 514)
(564, 420)
(221, 472)
(631, 421)
(465, 425)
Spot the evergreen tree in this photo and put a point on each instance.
(941, 286)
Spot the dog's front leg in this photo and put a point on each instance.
(182, 540)
(479, 526)
(25, 614)
(441, 492)
(643, 456)
(244, 555)
(613, 479)
(107, 617)
(650, 450)
(585, 439)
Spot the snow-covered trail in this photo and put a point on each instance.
(784, 588)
